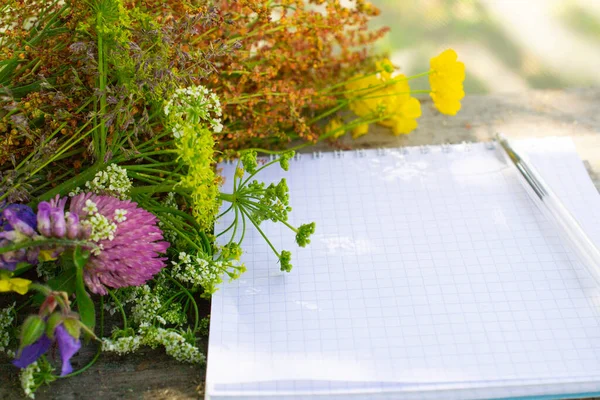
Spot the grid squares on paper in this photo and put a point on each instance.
(429, 269)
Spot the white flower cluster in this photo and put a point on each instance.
(170, 235)
(46, 270)
(193, 105)
(146, 306)
(120, 215)
(170, 201)
(113, 181)
(6, 320)
(122, 345)
(28, 379)
(102, 228)
(174, 343)
(177, 347)
(194, 270)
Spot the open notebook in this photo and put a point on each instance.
(431, 274)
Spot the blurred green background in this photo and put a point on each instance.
(507, 45)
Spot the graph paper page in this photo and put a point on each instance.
(431, 274)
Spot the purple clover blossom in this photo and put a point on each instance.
(129, 255)
(67, 346)
(17, 224)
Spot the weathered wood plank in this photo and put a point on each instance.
(150, 374)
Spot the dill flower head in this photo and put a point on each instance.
(446, 80)
(128, 238)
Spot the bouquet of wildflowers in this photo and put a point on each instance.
(113, 114)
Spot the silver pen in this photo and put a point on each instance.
(554, 209)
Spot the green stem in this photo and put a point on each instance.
(260, 231)
(228, 197)
(169, 221)
(153, 189)
(118, 303)
(196, 313)
(38, 243)
(257, 171)
(101, 142)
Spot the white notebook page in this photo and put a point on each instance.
(431, 274)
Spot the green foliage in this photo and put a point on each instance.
(85, 305)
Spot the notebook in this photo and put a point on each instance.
(431, 275)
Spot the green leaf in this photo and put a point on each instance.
(73, 327)
(85, 305)
(32, 329)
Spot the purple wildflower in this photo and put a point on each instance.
(23, 213)
(17, 224)
(129, 255)
(67, 345)
(52, 222)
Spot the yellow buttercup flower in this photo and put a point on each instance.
(335, 126)
(405, 119)
(390, 98)
(446, 81)
(18, 285)
(360, 130)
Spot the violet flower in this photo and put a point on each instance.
(67, 346)
(52, 222)
(17, 224)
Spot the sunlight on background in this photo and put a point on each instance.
(507, 45)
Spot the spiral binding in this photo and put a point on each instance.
(385, 151)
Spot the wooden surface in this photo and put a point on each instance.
(150, 374)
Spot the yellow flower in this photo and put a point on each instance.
(360, 130)
(18, 285)
(333, 127)
(404, 120)
(391, 100)
(47, 255)
(446, 81)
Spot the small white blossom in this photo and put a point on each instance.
(194, 104)
(97, 250)
(75, 192)
(170, 201)
(195, 270)
(102, 227)
(177, 347)
(122, 345)
(6, 321)
(146, 306)
(120, 215)
(28, 379)
(113, 181)
(90, 207)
